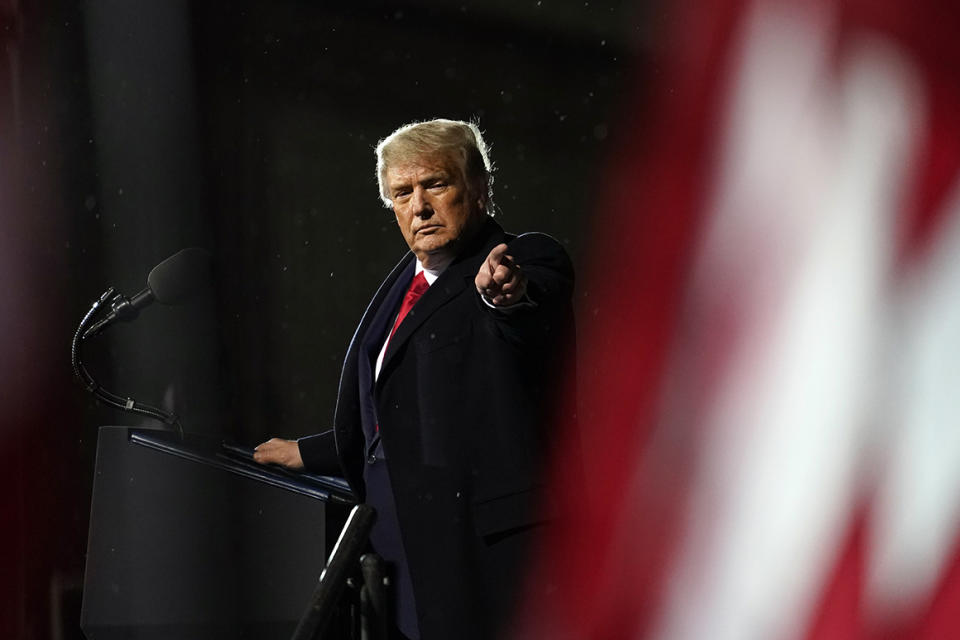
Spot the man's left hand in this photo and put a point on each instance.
(500, 280)
(286, 453)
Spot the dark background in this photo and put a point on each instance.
(132, 128)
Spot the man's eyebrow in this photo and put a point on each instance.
(439, 174)
(406, 182)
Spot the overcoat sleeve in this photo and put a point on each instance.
(319, 454)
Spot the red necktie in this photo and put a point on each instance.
(418, 287)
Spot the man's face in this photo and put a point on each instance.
(435, 207)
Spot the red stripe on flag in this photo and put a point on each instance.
(840, 614)
(942, 620)
(645, 232)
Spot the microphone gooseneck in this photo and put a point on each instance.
(173, 281)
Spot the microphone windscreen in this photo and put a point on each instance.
(181, 276)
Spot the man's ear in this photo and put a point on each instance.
(481, 189)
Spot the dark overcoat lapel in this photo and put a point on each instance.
(348, 432)
(451, 283)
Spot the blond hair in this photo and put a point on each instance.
(462, 140)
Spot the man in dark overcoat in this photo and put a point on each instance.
(448, 387)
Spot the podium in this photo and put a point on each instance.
(189, 538)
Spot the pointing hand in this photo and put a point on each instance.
(500, 279)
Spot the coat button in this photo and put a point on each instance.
(371, 458)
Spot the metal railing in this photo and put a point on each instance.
(341, 567)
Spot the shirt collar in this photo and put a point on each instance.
(431, 274)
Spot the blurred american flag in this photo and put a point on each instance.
(770, 370)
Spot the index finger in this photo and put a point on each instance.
(495, 257)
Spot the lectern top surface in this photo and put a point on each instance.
(236, 458)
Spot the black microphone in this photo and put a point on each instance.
(173, 281)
